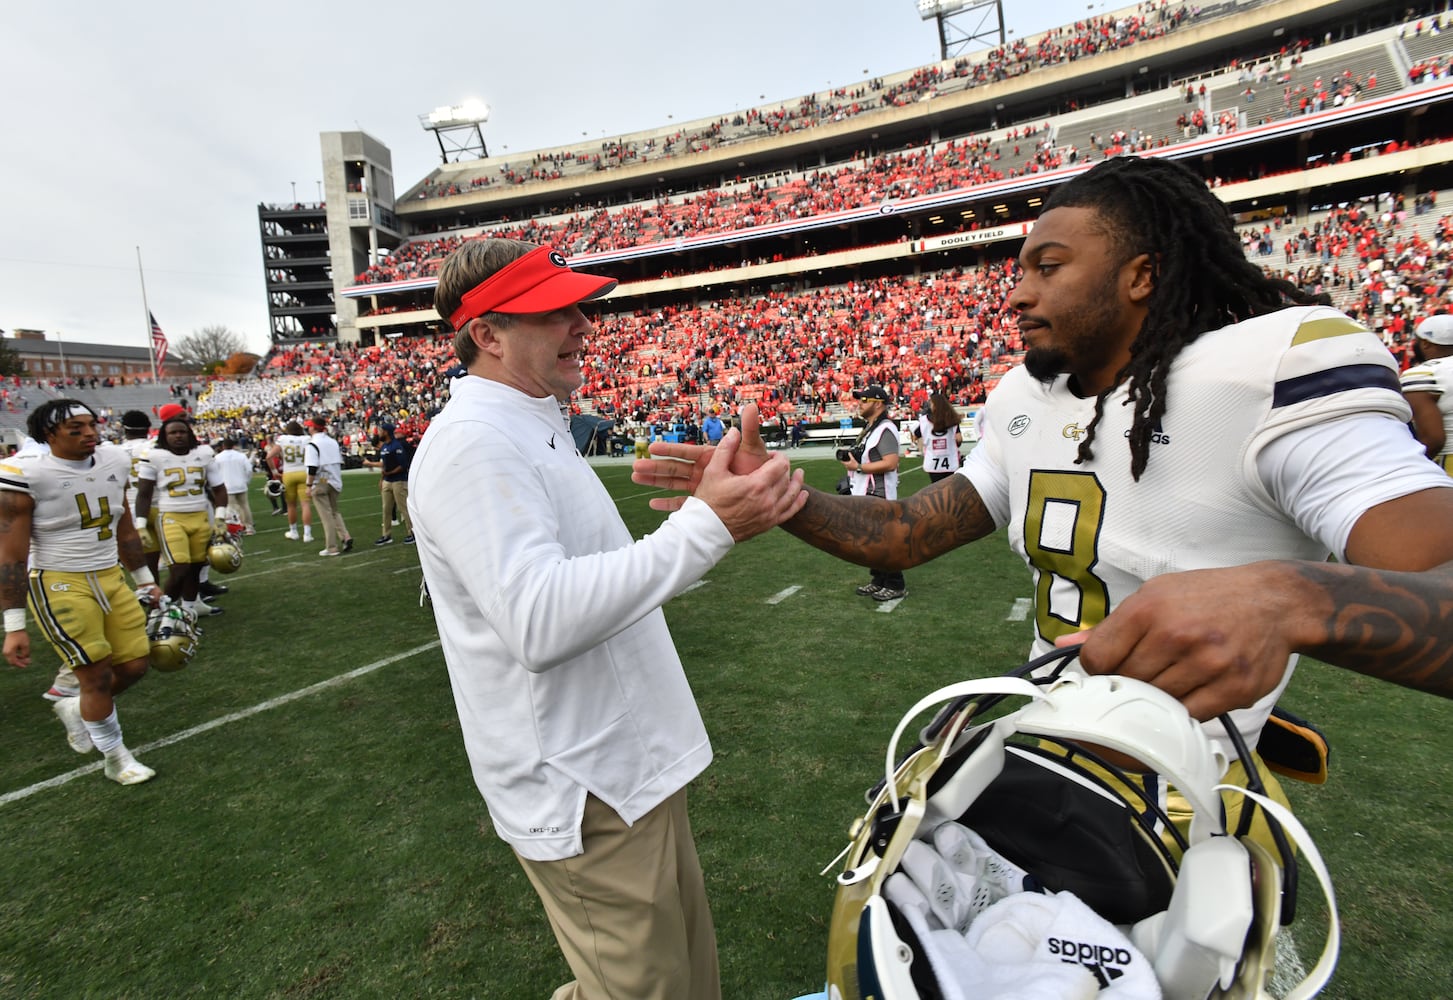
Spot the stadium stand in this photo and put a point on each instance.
(789, 252)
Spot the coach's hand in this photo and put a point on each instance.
(754, 502)
(680, 467)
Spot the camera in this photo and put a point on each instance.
(843, 454)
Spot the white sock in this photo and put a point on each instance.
(106, 734)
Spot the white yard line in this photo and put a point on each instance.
(782, 595)
(271, 703)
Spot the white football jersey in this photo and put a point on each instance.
(1092, 535)
(183, 482)
(77, 507)
(293, 447)
(134, 448)
(1436, 375)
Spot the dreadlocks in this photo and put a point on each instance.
(47, 418)
(1201, 279)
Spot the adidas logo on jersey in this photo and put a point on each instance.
(1157, 436)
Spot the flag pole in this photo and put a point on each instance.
(150, 347)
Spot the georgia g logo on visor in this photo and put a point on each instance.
(557, 259)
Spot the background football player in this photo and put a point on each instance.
(291, 446)
(1428, 388)
(180, 476)
(136, 431)
(64, 512)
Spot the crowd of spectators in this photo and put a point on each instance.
(868, 180)
(801, 354)
(1087, 37)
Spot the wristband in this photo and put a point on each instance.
(220, 513)
(14, 619)
(142, 577)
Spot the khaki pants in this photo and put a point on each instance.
(396, 498)
(239, 504)
(325, 498)
(630, 914)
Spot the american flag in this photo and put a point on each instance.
(158, 342)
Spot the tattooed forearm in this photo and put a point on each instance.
(128, 547)
(14, 585)
(894, 534)
(1391, 625)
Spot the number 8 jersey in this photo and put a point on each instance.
(1091, 534)
(77, 506)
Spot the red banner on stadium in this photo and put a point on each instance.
(158, 342)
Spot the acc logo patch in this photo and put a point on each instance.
(1019, 425)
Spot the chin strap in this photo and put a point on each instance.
(1321, 973)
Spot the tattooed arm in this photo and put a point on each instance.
(1217, 639)
(15, 512)
(885, 534)
(894, 534)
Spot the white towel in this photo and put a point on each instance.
(1059, 927)
(964, 974)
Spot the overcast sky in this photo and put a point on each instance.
(162, 125)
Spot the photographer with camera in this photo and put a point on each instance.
(872, 464)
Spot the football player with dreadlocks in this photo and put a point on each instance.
(63, 511)
(179, 474)
(1186, 443)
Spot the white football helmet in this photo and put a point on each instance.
(172, 630)
(274, 488)
(1203, 912)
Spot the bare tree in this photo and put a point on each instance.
(209, 346)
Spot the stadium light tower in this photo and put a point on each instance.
(954, 16)
(457, 130)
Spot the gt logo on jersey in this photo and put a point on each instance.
(60, 587)
(1073, 431)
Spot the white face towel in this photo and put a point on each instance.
(1030, 927)
(964, 974)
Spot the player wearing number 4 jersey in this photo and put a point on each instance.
(64, 511)
(1185, 445)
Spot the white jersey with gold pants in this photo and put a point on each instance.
(182, 498)
(78, 594)
(1270, 428)
(295, 470)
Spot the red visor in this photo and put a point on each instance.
(540, 281)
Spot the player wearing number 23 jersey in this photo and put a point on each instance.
(1260, 457)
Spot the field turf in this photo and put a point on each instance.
(313, 830)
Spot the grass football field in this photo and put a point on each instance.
(313, 830)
